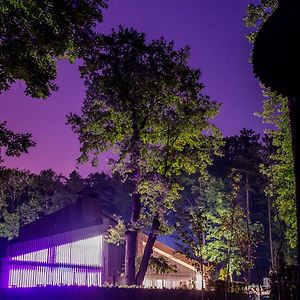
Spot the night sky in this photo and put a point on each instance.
(212, 28)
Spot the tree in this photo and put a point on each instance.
(279, 171)
(145, 103)
(243, 152)
(113, 194)
(26, 197)
(14, 191)
(34, 34)
(13, 143)
(212, 227)
(256, 15)
(277, 110)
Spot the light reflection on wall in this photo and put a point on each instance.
(76, 263)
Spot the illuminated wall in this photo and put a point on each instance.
(75, 263)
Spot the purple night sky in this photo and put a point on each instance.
(212, 28)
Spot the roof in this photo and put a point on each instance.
(84, 213)
(171, 253)
(17, 247)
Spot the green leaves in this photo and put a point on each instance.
(159, 265)
(145, 102)
(116, 234)
(279, 167)
(256, 15)
(211, 226)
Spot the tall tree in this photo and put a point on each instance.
(35, 34)
(243, 152)
(145, 102)
(280, 171)
(263, 20)
(212, 227)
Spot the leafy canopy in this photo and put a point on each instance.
(279, 168)
(35, 33)
(144, 96)
(13, 143)
(145, 102)
(211, 226)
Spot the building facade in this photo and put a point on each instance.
(68, 248)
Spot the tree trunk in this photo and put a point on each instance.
(145, 259)
(229, 253)
(201, 244)
(270, 233)
(294, 112)
(147, 252)
(131, 241)
(272, 257)
(130, 254)
(248, 225)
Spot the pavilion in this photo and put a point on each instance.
(68, 248)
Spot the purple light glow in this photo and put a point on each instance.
(76, 263)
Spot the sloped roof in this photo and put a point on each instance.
(171, 253)
(85, 213)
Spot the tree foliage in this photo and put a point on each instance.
(160, 265)
(111, 191)
(279, 167)
(211, 227)
(34, 34)
(26, 197)
(13, 143)
(245, 153)
(145, 102)
(257, 14)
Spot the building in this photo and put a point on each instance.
(186, 276)
(68, 248)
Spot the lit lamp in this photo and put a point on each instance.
(276, 62)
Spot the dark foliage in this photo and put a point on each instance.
(13, 143)
(34, 34)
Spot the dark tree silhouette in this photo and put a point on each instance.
(35, 34)
(276, 63)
